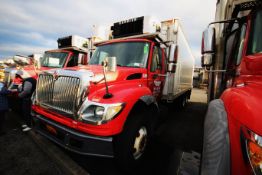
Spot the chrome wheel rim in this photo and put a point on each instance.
(140, 143)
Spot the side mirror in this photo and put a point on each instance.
(110, 64)
(173, 53)
(172, 58)
(207, 60)
(208, 41)
(80, 59)
(208, 46)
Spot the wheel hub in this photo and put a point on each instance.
(140, 142)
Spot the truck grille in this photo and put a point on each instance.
(58, 93)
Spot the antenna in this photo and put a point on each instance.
(105, 65)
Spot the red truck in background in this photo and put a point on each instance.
(110, 110)
(72, 51)
(232, 54)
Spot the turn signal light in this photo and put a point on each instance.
(253, 143)
(255, 153)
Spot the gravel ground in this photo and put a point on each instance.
(19, 153)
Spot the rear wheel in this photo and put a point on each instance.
(130, 146)
(183, 101)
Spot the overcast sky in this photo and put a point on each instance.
(33, 26)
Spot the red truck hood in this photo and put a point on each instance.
(244, 103)
(92, 78)
(122, 73)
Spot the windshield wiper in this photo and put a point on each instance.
(128, 66)
(135, 66)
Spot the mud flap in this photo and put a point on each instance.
(216, 149)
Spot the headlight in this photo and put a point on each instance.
(253, 146)
(97, 113)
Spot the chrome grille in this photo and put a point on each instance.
(58, 93)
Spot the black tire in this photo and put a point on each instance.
(125, 144)
(183, 101)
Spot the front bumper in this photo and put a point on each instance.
(73, 140)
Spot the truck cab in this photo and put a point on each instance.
(232, 51)
(72, 51)
(62, 58)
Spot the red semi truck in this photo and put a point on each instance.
(232, 54)
(111, 110)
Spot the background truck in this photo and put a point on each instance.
(72, 51)
(111, 110)
(232, 54)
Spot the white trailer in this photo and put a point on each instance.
(183, 61)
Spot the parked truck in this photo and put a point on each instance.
(72, 51)
(109, 108)
(232, 54)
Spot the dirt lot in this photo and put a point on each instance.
(175, 149)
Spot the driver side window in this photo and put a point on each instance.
(234, 47)
(241, 44)
(73, 60)
(155, 60)
(231, 49)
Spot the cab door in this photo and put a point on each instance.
(155, 80)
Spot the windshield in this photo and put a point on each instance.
(128, 54)
(255, 44)
(54, 59)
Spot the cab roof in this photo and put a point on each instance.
(153, 37)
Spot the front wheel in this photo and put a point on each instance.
(130, 146)
(140, 142)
